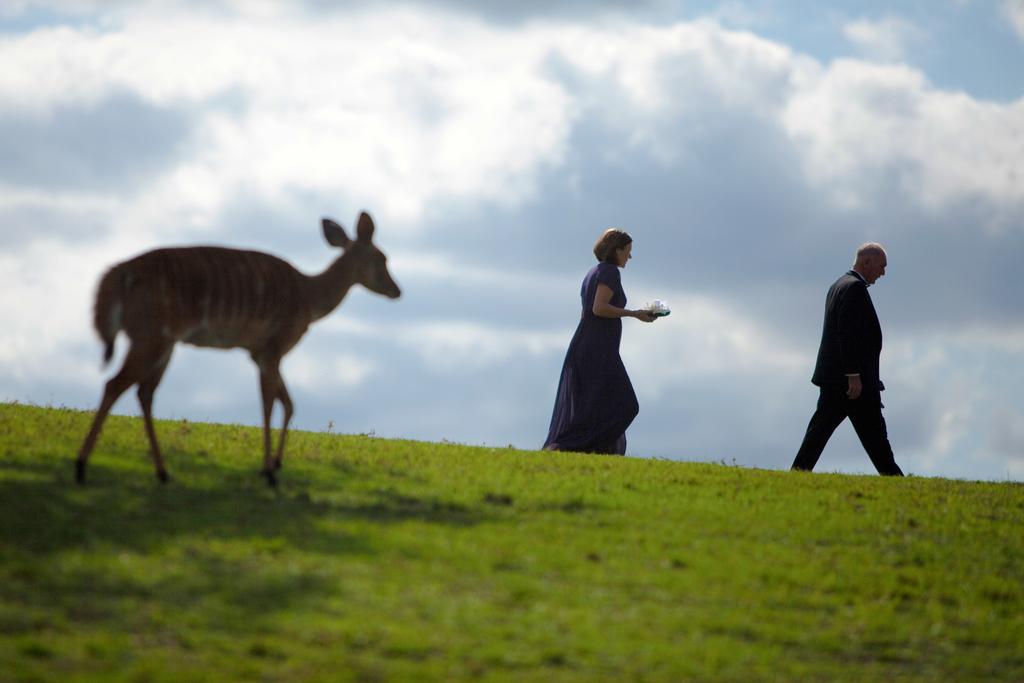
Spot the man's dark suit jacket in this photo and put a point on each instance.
(851, 338)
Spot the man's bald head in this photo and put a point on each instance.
(871, 261)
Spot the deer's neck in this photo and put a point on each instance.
(328, 289)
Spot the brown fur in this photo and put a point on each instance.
(207, 296)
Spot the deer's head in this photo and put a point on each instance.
(369, 264)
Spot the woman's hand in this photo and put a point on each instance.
(603, 309)
(645, 316)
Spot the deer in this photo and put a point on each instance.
(223, 298)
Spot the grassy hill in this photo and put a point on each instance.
(381, 560)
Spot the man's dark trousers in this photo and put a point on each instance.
(864, 412)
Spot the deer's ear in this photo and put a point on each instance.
(335, 234)
(364, 230)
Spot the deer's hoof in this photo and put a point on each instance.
(163, 476)
(271, 479)
(79, 471)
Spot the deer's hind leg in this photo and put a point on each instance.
(147, 387)
(140, 362)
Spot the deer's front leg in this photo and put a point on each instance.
(286, 403)
(268, 392)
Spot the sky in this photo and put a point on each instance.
(748, 147)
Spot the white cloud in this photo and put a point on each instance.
(451, 108)
(439, 267)
(889, 39)
(704, 337)
(860, 125)
(310, 373)
(46, 292)
(19, 199)
(1007, 438)
(445, 108)
(468, 345)
(1014, 10)
(663, 87)
(943, 418)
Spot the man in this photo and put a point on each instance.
(847, 367)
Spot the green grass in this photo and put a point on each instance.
(381, 560)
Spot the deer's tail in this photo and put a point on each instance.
(109, 308)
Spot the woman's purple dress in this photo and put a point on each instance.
(595, 402)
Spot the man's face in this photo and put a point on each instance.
(874, 267)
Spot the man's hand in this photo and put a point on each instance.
(854, 387)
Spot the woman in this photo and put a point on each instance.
(595, 402)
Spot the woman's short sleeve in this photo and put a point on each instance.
(608, 275)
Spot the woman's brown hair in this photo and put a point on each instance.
(610, 240)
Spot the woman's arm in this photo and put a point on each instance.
(603, 309)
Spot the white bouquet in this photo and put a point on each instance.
(657, 307)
